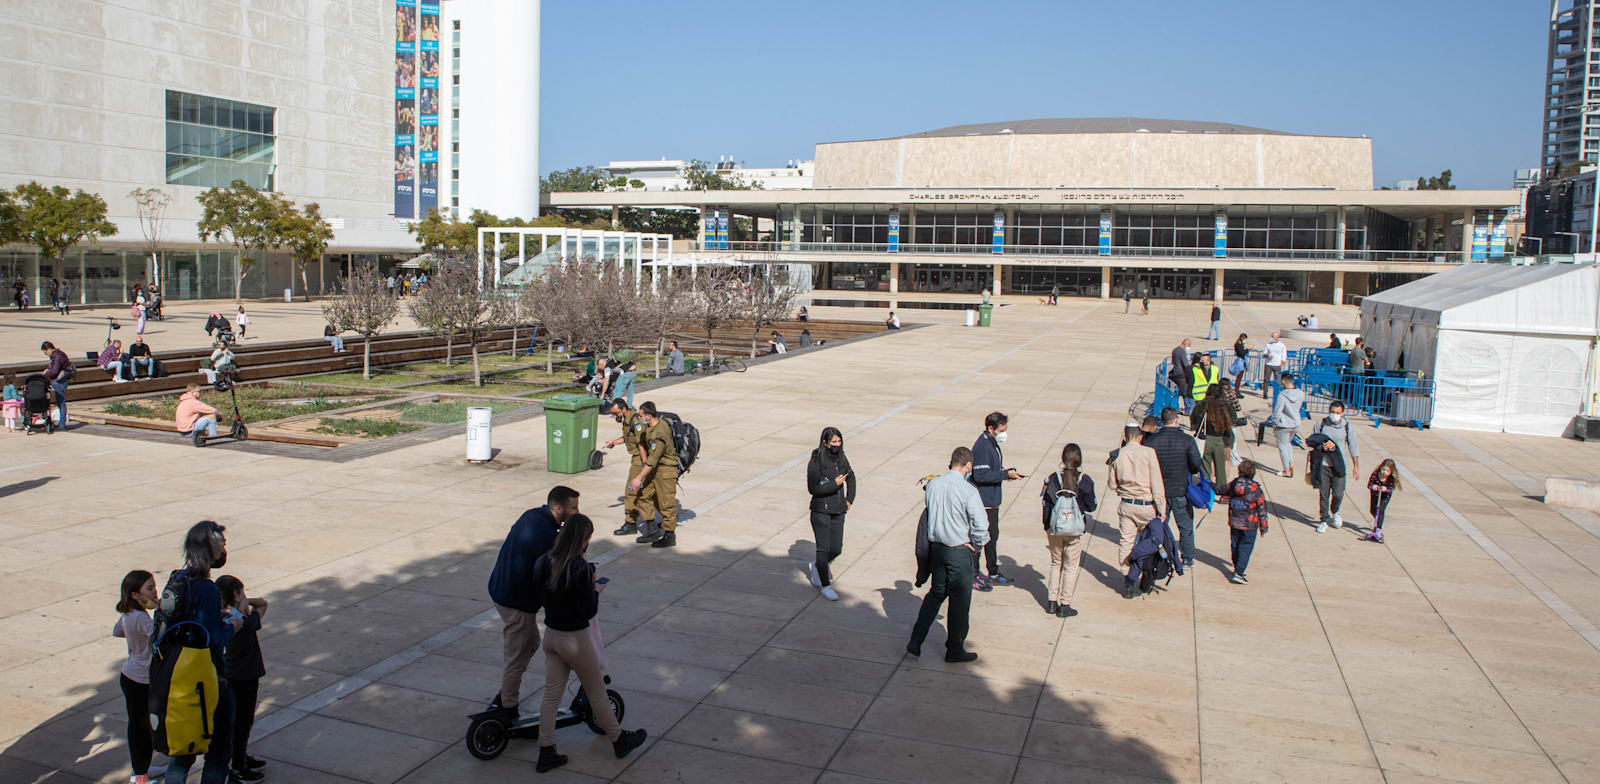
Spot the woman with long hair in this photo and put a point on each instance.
(134, 602)
(570, 594)
(1241, 360)
(1216, 426)
(1072, 486)
(832, 485)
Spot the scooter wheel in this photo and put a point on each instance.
(240, 432)
(488, 738)
(617, 706)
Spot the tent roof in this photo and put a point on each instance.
(1549, 298)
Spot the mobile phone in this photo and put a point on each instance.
(602, 581)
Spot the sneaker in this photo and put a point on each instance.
(1066, 611)
(254, 763)
(648, 538)
(816, 580)
(1050, 609)
(628, 741)
(141, 780)
(1322, 528)
(1338, 522)
(979, 585)
(1188, 563)
(1237, 579)
(961, 658)
(245, 776)
(914, 648)
(1377, 536)
(830, 594)
(199, 438)
(1000, 579)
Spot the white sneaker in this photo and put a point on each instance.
(830, 594)
(1322, 528)
(816, 580)
(1338, 522)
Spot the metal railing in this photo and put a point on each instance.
(1093, 251)
(1383, 395)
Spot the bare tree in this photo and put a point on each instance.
(771, 301)
(717, 300)
(151, 204)
(458, 304)
(552, 301)
(364, 306)
(662, 307)
(430, 308)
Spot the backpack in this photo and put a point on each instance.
(183, 674)
(1153, 567)
(685, 441)
(1066, 518)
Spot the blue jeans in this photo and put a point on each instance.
(624, 388)
(148, 363)
(218, 756)
(337, 341)
(1213, 333)
(1243, 543)
(209, 423)
(1182, 517)
(59, 389)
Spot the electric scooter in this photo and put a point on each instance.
(492, 730)
(227, 382)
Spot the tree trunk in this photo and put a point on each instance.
(238, 274)
(513, 339)
(711, 348)
(305, 288)
(753, 337)
(366, 358)
(549, 356)
(661, 345)
(477, 375)
(449, 347)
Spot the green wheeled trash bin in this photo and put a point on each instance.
(570, 422)
(983, 314)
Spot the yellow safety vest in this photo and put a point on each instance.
(1201, 383)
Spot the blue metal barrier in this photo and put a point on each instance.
(1324, 374)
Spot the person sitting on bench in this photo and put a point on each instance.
(110, 360)
(222, 363)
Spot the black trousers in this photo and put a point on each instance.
(244, 718)
(991, 551)
(828, 529)
(136, 696)
(952, 580)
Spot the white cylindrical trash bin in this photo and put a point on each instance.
(288, 295)
(478, 426)
(972, 317)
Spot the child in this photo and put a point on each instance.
(134, 601)
(243, 668)
(1383, 483)
(11, 401)
(244, 322)
(1245, 518)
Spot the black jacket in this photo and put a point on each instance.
(826, 496)
(1216, 313)
(1178, 456)
(1052, 485)
(1180, 368)
(1320, 459)
(573, 602)
(988, 469)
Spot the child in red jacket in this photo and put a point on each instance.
(1246, 516)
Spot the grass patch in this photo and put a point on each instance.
(490, 387)
(447, 411)
(379, 379)
(364, 428)
(256, 402)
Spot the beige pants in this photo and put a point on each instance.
(1131, 518)
(565, 652)
(521, 641)
(1065, 551)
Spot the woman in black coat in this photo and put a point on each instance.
(833, 489)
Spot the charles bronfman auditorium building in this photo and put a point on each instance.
(1178, 209)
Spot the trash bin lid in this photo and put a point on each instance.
(571, 402)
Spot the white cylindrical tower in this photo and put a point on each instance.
(498, 105)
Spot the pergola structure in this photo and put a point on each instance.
(555, 244)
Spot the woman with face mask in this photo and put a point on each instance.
(135, 600)
(833, 489)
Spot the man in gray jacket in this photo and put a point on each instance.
(1337, 428)
(1286, 421)
(957, 529)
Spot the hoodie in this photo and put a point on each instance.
(189, 409)
(828, 497)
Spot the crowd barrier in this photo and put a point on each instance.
(1383, 395)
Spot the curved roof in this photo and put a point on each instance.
(1055, 125)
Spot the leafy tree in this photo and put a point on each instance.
(585, 179)
(365, 306)
(1439, 183)
(306, 235)
(243, 217)
(55, 219)
(438, 231)
(10, 219)
(700, 176)
(151, 204)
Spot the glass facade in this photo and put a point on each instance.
(1073, 281)
(100, 276)
(213, 141)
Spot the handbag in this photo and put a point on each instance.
(1236, 367)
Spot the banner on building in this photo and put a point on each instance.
(1220, 242)
(722, 229)
(1105, 233)
(428, 109)
(1497, 237)
(1480, 237)
(894, 230)
(708, 234)
(405, 108)
(999, 241)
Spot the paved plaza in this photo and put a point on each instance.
(1463, 650)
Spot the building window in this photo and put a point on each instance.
(455, 79)
(455, 174)
(213, 141)
(455, 114)
(455, 24)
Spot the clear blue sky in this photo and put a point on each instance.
(1437, 84)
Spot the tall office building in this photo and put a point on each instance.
(490, 131)
(1572, 81)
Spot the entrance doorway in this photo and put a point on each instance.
(1169, 284)
(958, 279)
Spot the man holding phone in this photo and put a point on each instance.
(988, 474)
(956, 530)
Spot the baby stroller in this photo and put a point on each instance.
(224, 330)
(36, 404)
(153, 310)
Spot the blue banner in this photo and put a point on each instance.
(1105, 233)
(722, 229)
(1220, 246)
(999, 243)
(405, 107)
(708, 238)
(428, 110)
(1497, 239)
(894, 230)
(1480, 241)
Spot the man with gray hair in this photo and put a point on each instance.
(191, 596)
(957, 529)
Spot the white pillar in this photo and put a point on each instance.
(894, 277)
(999, 269)
(1216, 284)
(1338, 240)
(1468, 215)
(522, 249)
(615, 216)
(1338, 287)
(496, 258)
(1105, 283)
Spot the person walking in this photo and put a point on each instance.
(1336, 426)
(140, 303)
(1180, 461)
(1135, 477)
(55, 295)
(988, 475)
(1055, 294)
(244, 669)
(243, 320)
(512, 589)
(135, 600)
(1285, 420)
(1127, 299)
(1216, 428)
(1067, 486)
(570, 592)
(205, 547)
(1239, 367)
(1146, 303)
(660, 471)
(1276, 355)
(1246, 518)
(1206, 376)
(832, 484)
(1215, 331)
(66, 298)
(957, 529)
(632, 430)
(59, 373)
(1382, 485)
(1325, 470)
(1180, 371)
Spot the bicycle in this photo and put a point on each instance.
(722, 363)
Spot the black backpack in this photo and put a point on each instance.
(685, 441)
(1153, 567)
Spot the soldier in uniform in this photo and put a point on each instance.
(632, 429)
(657, 481)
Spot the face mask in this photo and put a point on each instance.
(222, 560)
(1000, 437)
(148, 604)
(835, 450)
(1336, 418)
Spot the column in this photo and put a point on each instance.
(894, 277)
(616, 217)
(1338, 287)
(1216, 284)
(1339, 228)
(999, 269)
(1105, 283)
(1468, 216)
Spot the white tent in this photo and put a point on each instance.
(1509, 348)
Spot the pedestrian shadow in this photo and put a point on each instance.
(1027, 578)
(19, 487)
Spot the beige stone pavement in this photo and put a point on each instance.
(1457, 652)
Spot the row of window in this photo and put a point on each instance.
(210, 142)
(219, 112)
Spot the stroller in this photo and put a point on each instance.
(36, 404)
(224, 330)
(153, 310)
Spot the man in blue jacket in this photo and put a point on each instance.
(511, 587)
(988, 474)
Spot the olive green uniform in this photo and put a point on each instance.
(660, 489)
(632, 428)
